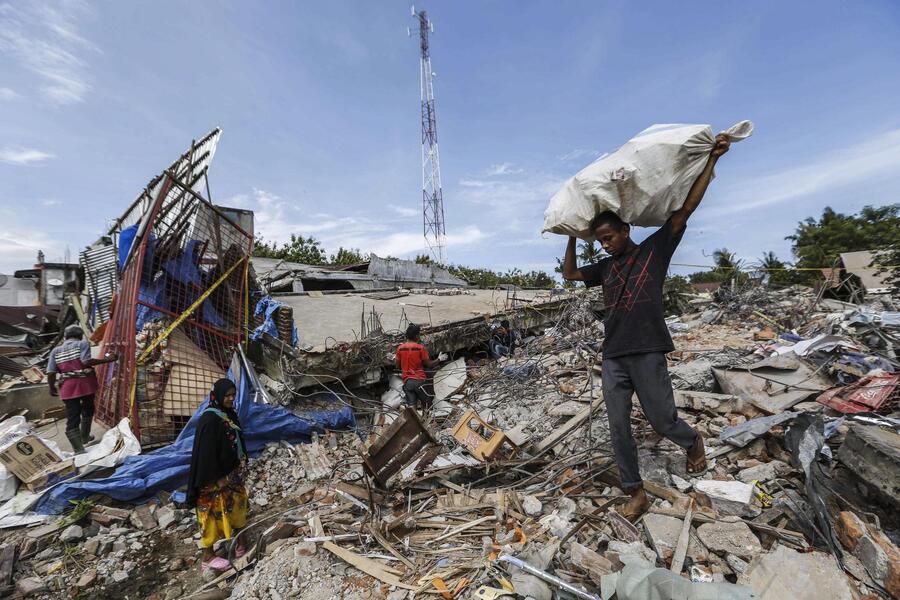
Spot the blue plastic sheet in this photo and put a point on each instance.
(180, 284)
(268, 305)
(142, 476)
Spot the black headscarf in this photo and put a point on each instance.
(218, 442)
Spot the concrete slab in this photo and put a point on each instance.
(873, 454)
(338, 316)
(784, 573)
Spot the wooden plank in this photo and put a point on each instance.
(682, 545)
(367, 566)
(315, 526)
(462, 528)
(390, 547)
(560, 432)
(666, 493)
(7, 562)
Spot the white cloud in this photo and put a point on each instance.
(405, 211)
(19, 248)
(7, 94)
(44, 39)
(503, 169)
(277, 218)
(406, 243)
(51, 203)
(22, 156)
(875, 158)
(578, 154)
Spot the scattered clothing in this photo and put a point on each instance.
(502, 344)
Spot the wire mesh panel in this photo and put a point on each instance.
(179, 311)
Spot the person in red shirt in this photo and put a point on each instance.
(412, 359)
(71, 364)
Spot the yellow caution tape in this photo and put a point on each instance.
(714, 268)
(764, 497)
(174, 325)
(168, 331)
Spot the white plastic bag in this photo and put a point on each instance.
(643, 182)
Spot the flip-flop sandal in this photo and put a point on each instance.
(239, 551)
(217, 564)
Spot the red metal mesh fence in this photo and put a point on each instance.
(179, 312)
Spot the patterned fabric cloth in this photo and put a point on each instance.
(222, 511)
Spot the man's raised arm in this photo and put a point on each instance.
(570, 269)
(695, 195)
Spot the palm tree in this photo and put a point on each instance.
(729, 265)
(590, 252)
(775, 269)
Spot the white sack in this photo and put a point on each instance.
(643, 182)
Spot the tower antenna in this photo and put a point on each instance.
(432, 194)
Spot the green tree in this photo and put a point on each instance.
(565, 283)
(778, 271)
(590, 252)
(348, 256)
(819, 243)
(305, 250)
(729, 266)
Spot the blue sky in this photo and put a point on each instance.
(318, 102)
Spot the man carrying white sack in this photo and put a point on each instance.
(636, 337)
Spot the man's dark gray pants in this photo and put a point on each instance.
(415, 394)
(648, 376)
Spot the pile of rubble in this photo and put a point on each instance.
(506, 485)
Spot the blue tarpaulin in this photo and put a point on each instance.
(268, 305)
(142, 476)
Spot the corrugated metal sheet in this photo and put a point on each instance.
(101, 281)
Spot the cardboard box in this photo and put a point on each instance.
(26, 455)
(52, 475)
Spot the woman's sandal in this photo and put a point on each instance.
(216, 564)
(696, 458)
(240, 551)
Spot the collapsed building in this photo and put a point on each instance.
(503, 487)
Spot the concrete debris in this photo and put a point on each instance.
(728, 497)
(873, 454)
(732, 538)
(878, 555)
(785, 573)
(663, 533)
(512, 457)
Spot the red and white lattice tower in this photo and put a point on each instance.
(432, 195)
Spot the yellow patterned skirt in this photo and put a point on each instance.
(221, 511)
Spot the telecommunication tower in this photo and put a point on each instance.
(432, 195)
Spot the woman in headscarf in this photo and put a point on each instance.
(215, 482)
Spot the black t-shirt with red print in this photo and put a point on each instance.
(634, 322)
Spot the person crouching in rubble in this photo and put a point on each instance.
(215, 482)
(71, 365)
(503, 342)
(412, 359)
(636, 337)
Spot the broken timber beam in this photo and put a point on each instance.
(563, 430)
